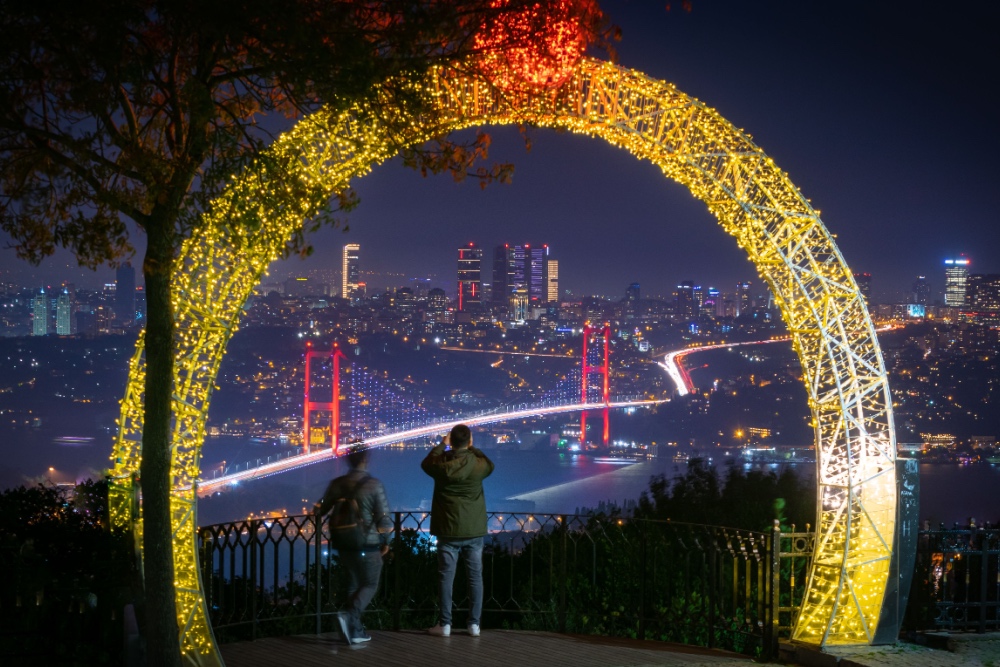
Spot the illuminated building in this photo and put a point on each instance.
(40, 314)
(504, 280)
(125, 295)
(684, 303)
(864, 281)
(984, 298)
(220, 264)
(743, 298)
(711, 303)
(922, 291)
(517, 266)
(350, 271)
(65, 324)
(632, 293)
(470, 262)
(956, 274)
(553, 281)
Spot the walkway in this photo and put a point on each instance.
(500, 648)
(950, 650)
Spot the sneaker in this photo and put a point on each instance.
(341, 625)
(473, 629)
(440, 630)
(361, 637)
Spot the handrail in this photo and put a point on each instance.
(649, 579)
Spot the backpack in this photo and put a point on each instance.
(347, 528)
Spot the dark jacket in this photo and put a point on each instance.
(372, 504)
(459, 507)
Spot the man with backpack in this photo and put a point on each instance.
(458, 519)
(359, 528)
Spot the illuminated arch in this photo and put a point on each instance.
(752, 199)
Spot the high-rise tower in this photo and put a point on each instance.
(956, 275)
(921, 291)
(553, 281)
(526, 268)
(40, 314)
(743, 298)
(864, 281)
(350, 271)
(685, 305)
(125, 295)
(470, 264)
(65, 323)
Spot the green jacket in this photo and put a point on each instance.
(458, 510)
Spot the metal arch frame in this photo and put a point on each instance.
(249, 225)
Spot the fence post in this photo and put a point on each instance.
(643, 526)
(397, 541)
(713, 582)
(983, 573)
(253, 578)
(318, 539)
(774, 589)
(562, 573)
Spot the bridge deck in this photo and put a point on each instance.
(494, 647)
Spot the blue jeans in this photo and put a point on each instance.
(471, 550)
(363, 569)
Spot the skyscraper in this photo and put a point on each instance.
(921, 291)
(983, 303)
(40, 314)
(685, 304)
(65, 322)
(350, 271)
(536, 273)
(956, 275)
(864, 281)
(470, 262)
(743, 299)
(517, 267)
(553, 281)
(503, 274)
(632, 293)
(710, 305)
(125, 295)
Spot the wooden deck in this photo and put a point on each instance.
(495, 647)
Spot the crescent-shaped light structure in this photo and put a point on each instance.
(250, 224)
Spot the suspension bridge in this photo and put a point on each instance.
(379, 413)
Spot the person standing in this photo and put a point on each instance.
(365, 497)
(458, 519)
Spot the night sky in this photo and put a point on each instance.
(880, 112)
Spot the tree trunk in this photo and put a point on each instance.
(162, 637)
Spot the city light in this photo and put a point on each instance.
(754, 201)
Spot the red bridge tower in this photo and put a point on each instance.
(332, 407)
(595, 334)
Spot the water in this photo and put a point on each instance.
(540, 481)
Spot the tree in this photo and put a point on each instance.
(134, 116)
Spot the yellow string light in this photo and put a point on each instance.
(249, 225)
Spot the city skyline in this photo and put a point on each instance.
(837, 98)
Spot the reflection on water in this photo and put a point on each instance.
(543, 481)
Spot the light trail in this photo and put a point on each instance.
(673, 362)
(568, 355)
(208, 487)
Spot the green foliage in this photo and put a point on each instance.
(750, 500)
(69, 575)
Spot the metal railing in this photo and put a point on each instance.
(695, 584)
(956, 586)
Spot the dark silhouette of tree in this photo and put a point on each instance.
(747, 499)
(133, 113)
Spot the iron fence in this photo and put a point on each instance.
(696, 584)
(956, 585)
